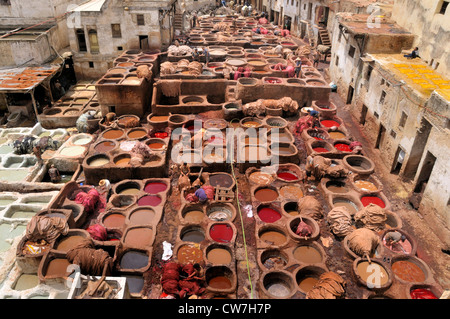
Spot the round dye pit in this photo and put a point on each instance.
(219, 278)
(149, 200)
(72, 151)
(104, 146)
(159, 134)
(261, 178)
(142, 216)
(307, 277)
(347, 203)
(268, 215)
(222, 233)
(122, 160)
(319, 149)
(115, 220)
(372, 274)
(402, 247)
(342, 147)
(266, 194)
(127, 121)
(274, 259)
(336, 135)
(251, 123)
(273, 236)
(155, 187)
(193, 215)
(159, 118)
(221, 180)
(189, 254)
(218, 255)
(98, 160)
(134, 259)
(408, 271)
(366, 200)
(137, 134)
(291, 208)
(366, 186)
(193, 234)
(287, 176)
(291, 192)
(155, 145)
(220, 212)
(278, 284)
(69, 242)
(139, 236)
(112, 134)
(337, 187)
(57, 268)
(329, 123)
(307, 254)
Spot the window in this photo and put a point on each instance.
(5, 2)
(403, 119)
(116, 32)
(120, 48)
(140, 19)
(337, 60)
(393, 134)
(81, 40)
(444, 6)
(383, 96)
(93, 41)
(369, 72)
(91, 64)
(351, 51)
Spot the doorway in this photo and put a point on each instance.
(422, 180)
(398, 161)
(362, 120)
(350, 94)
(417, 150)
(143, 42)
(380, 137)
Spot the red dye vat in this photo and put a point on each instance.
(329, 123)
(149, 200)
(318, 138)
(366, 200)
(287, 176)
(269, 215)
(421, 293)
(221, 233)
(159, 134)
(342, 147)
(320, 149)
(155, 187)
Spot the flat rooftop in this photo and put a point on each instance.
(417, 74)
(364, 24)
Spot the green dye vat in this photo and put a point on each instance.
(5, 149)
(22, 214)
(13, 175)
(26, 281)
(7, 233)
(6, 201)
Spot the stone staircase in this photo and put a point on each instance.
(178, 22)
(324, 37)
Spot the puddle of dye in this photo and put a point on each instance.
(156, 145)
(141, 236)
(123, 161)
(155, 187)
(307, 284)
(149, 200)
(137, 134)
(57, 267)
(194, 216)
(367, 270)
(26, 281)
(112, 134)
(400, 247)
(189, 254)
(133, 260)
(273, 237)
(268, 215)
(320, 150)
(291, 192)
(342, 147)
(408, 271)
(220, 180)
(287, 176)
(336, 135)
(142, 217)
(99, 161)
(278, 288)
(366, 200)
(221, 233)
(266, 195)
(159, 134)
(261, 178)
(307, 254)
(114, 221)
(219, 256)
(193, 235)
(104, 146)
(69, 242)
(366, 185)
(220, 282)
(329, 123)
